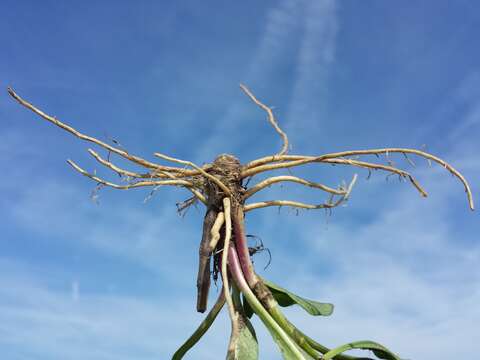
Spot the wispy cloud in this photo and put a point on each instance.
(467, 99)
(314, 58)
(297, 44)
(278, 40)
(275, 45)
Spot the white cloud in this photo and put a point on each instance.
(95, 326)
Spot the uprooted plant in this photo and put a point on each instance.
(220, 187)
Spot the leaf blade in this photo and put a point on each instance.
(287, 298)
(246, 345)
(379, 350)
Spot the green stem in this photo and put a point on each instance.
(275, 329)
(292, 331)
(259, 289)
(320, 347)
(309, 345)
(202, 328)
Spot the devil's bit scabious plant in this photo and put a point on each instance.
(219, 186)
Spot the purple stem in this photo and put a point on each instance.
(243, 255)
(236, 269)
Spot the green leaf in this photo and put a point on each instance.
(379, 350)
(286, 298)
(246, 345)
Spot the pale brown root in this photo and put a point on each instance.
(280, 160)
(276, 179)
(117, 169)
(197, 194)
(226, 244)
(78, 134)
(297, 204)
(301, 205)
(226, 286)
(302, 160)
(222, 186)
(179, 182)
(215, 231)
(273, 158)
(352, 162)
(287, 161)
(271, 118)
(388, 168)
(150, 175)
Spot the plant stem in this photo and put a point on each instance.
(242, 247)
(320, 347)
(226, 286)
(297, 336)
(275, 329)
(260, 290)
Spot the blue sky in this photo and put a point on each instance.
(116, 280)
